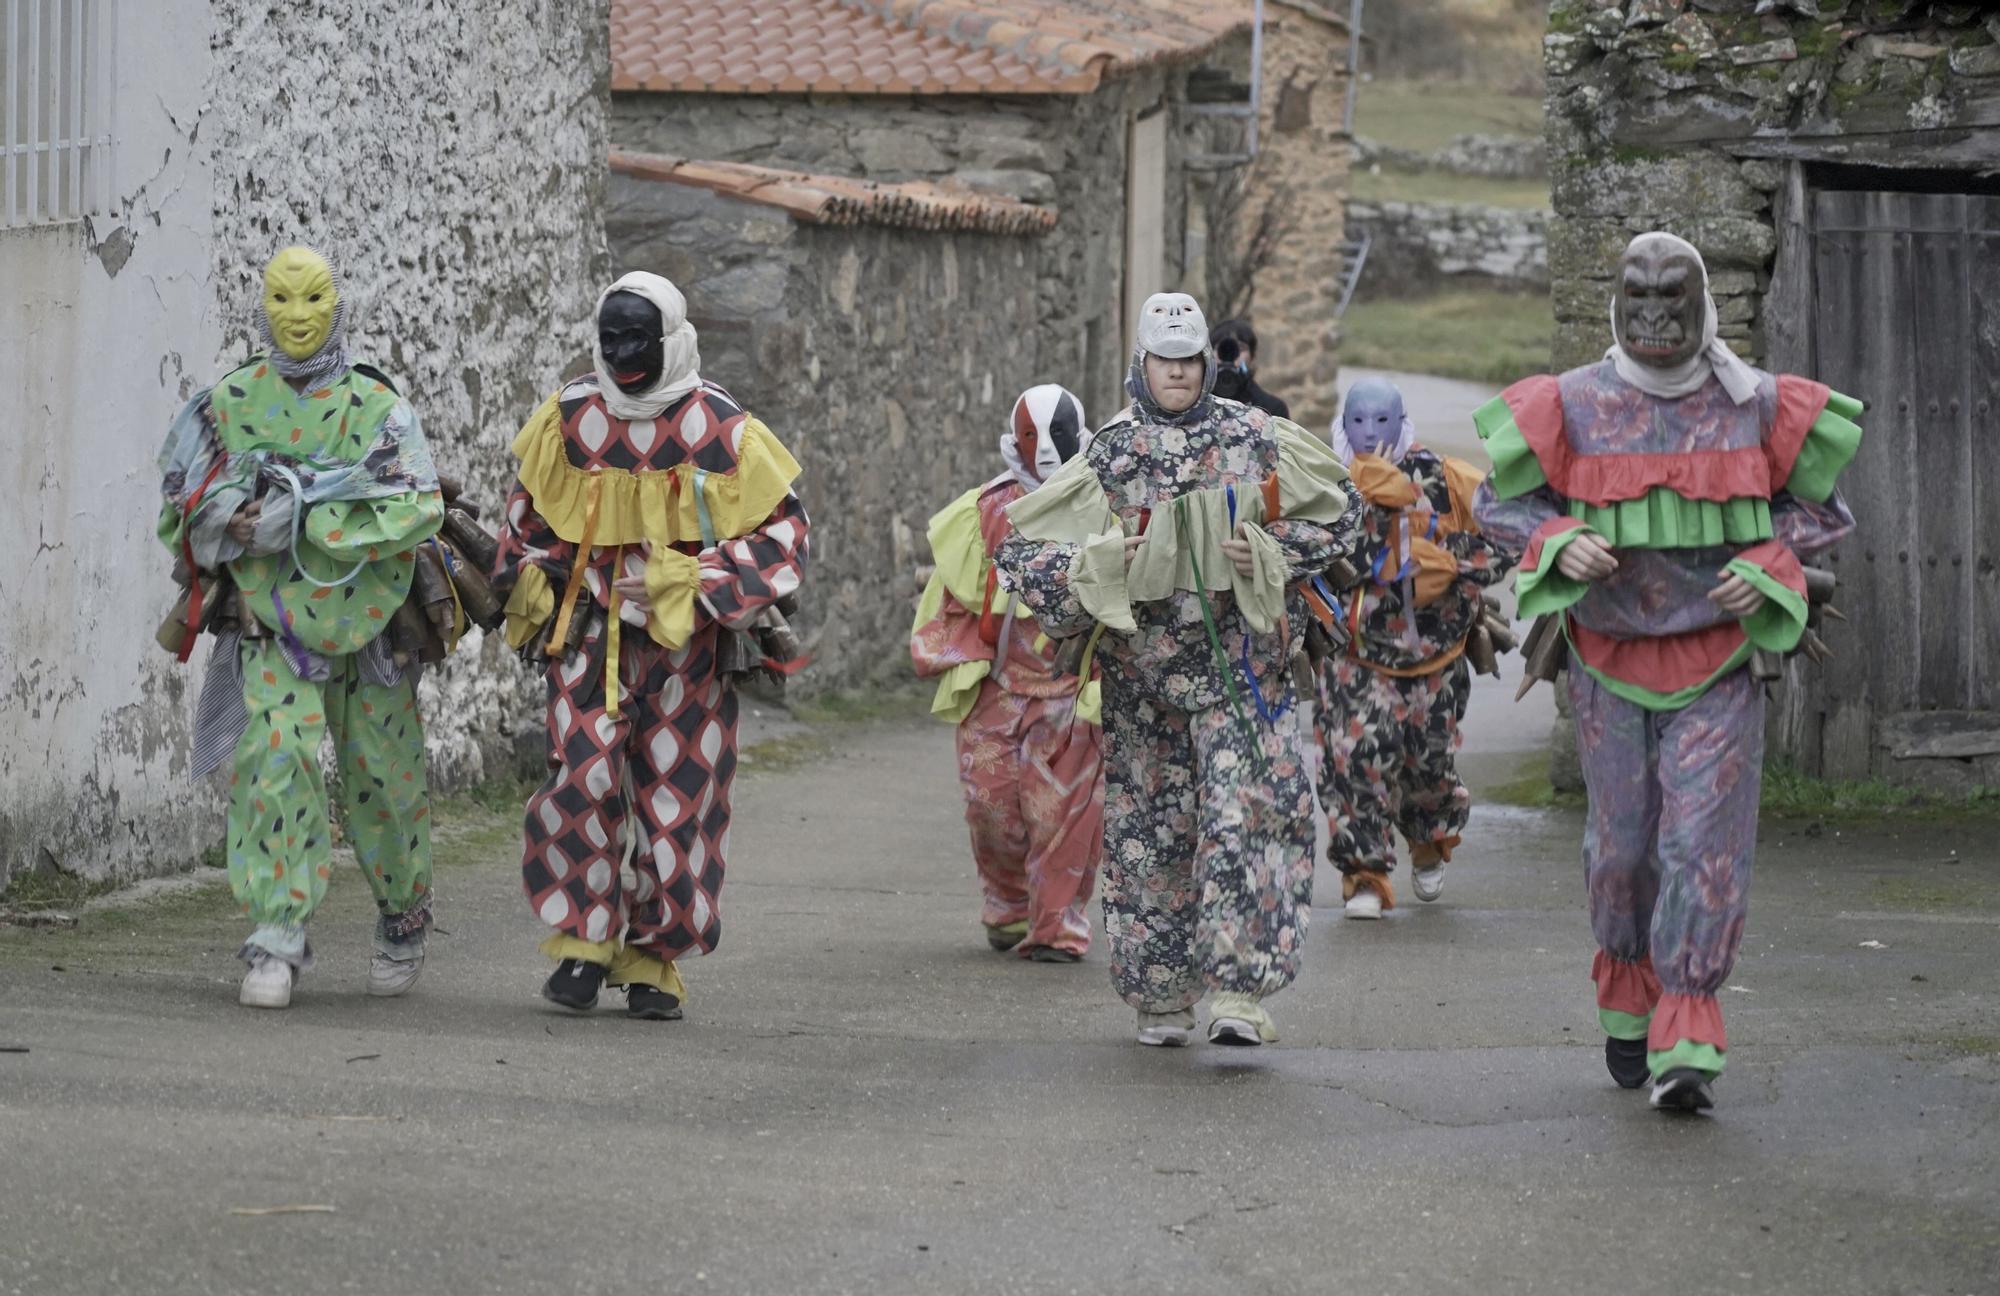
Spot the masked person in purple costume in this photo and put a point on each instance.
(1661, 499)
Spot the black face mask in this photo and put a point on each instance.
(632, 337)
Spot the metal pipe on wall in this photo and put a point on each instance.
(1353, 66)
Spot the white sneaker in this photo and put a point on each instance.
(1428, 883)
(268, 983)
(1364, 904)
(389, 977)
(1167, 1029)
(1240, 1019)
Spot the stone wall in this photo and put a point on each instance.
(1294, 196)
(886, 359)
(1061, 150)
(889, 358)
(1666, 114)
(450, 155)
(1422, 247)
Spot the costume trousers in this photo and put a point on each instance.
(1389, 762)
(1667, 848)
(666, 761)
(280, 842)
(1033, 776)
(1208, 850)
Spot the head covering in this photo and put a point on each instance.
(1365, 399)
(332, 357)
(1170, 326)
(1712, 358)
(681, 371)
(1045, 431)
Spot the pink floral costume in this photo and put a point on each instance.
(1030, 756)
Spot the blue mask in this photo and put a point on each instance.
(1372, 418)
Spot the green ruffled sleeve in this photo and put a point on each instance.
(1516, 470)
(1311, 478)
(1830, 445)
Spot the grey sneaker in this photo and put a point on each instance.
(389, 977)
(1428, 883)
(267, 984)
(1167, 1029)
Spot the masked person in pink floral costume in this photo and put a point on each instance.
(1661, 500)
(1029, 757)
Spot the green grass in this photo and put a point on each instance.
(1425, 115)
(1481, 335)
(1789, 794)
(1389, 185)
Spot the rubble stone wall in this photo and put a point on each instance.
(1421, 247)
(1680, 115)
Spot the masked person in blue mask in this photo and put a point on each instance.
(1390, 706)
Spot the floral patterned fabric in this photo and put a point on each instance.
(1390, 632)
(1208, 831)
(1033, 775)
(1389, 761)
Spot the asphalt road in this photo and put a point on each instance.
(864, 1099)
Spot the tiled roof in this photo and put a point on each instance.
(905, 46)
(836, 200)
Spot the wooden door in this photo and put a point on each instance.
(1905, 314)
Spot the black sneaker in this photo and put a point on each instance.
(1050, 954)
(574, 984)
(1626, 1060)
(650, 1003)
(1683, 1089)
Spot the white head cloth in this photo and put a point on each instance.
(679, 375)
(1714, 356)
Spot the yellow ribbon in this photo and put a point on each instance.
(611, 637)
(593, 494)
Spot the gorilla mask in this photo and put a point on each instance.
(1660, 311)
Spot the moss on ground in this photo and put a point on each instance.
(1480, 335)
(1789, 794)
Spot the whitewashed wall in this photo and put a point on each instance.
(449, 155)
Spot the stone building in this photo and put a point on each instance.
(1288, 232)
(890, 218)
(467, 218)
(1832, 159)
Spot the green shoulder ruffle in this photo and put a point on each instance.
(1830, 445)
(1516, 470)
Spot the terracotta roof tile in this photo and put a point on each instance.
(901, 46)
(837, 200)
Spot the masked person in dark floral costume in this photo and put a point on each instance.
(1029, 756)
(1392, 703)
(307, 477)
(1661, 499)
(1177, 540)
(652, 514)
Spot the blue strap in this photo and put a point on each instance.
(701, 508)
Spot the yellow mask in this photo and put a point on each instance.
(299, 298)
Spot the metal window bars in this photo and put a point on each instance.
(55, 136)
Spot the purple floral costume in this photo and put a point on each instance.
(1669, 721)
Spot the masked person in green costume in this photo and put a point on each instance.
(305, 476)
